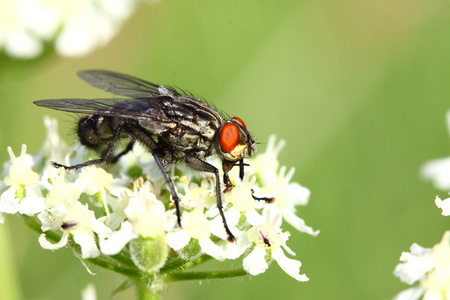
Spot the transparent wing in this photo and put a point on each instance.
(137, 109)
(120, 84)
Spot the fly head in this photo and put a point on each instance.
(234, 141)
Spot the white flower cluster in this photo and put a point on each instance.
(105, 212)
(75, 26)
(429, 267)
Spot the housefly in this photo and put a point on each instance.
(174, 126)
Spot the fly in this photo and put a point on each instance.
(172, 125)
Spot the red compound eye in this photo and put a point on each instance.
(229, 137)
(240, 121)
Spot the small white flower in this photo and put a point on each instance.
(95, 181)
(225, 250)
(241, 195)
(276, 183)
(20, 172)
(287, 195)
(140, 161)
(114, 219)
(431, 267)
(145, 212)
(76, 220)
(61, 192)
(416, 264)
(194, 225)
(70, 216)
(268, 239)
(231, 215)
(23, 194)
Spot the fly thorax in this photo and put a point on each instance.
(152, 126)
(207, 131)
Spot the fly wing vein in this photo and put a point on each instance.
(149, 110)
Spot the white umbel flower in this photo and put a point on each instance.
(125, 211)
(77, 27)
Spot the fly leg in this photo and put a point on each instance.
(201, 165)
(241, 168)
(144, 138)
(106, 157)
(227, 166)
(266, 199)
(116, 157)
(241, 176)
(169, 181)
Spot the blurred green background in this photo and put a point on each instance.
(358, 89)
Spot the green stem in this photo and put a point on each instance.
(182, 276)
(9, 279)
(180, 264)
(108, 263)
(146, 292)
(34, 224)
(124, 260)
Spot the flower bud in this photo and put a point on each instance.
(149, 253)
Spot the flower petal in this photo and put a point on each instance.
(444, 205)
(87, 243)
(177, 239)
(255, 263)
(298, 223)
(46, 244)
(290, 266)
(212, 249)
(118, 239)
(413, 293)
(33, 203)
